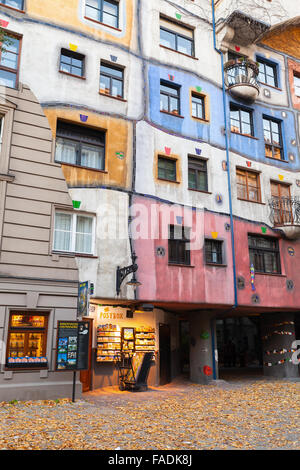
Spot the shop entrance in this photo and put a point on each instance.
(164, 354)
(239, 346)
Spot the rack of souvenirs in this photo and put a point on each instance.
(144, 338)
(108, 342)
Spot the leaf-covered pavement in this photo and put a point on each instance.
(261, 415)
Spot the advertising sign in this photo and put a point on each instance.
(72, 345)
(83, 299)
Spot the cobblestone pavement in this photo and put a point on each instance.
(236, 414)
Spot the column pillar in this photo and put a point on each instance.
(201, 359)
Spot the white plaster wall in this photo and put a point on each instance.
(39, 68)
(150, 141)
(112, 247)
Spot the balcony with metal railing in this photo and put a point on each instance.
(241, 78)
(285, 215)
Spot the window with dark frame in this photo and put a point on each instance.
(103, 11)
(213, 251)
(169, 98)
(264, 254)
(197, 174)
(179, 237)
(166, 169)
(111, 80)
(248, 185)
(177, 37)
(198, 106)
(241, 121)
(273, 138)
(72, 63)
(297, 84)
(282, 204)
(16, 4)
(80, 145)
(267, 73)
(9, 62)
(27, 336)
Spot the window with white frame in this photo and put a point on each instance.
(74, 233)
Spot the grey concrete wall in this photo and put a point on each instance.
(201, 351)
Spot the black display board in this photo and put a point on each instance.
(72, 351)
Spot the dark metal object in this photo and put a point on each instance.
(124, 272)
(241, 71)
(284, 211)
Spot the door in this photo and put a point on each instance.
(164, 354)
(282, 203)
(86, 375)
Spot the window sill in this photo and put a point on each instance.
(270, 274)
(200, 119)
(181, 265)
(217, 265)
(199, 191)
(72, 255)
(248, 200)
(72, 75)
(277, 159)
(82, 167)
(271, 86)
(178, 52)
(172, 114)
(102, 24)
(244, 135)
(11, 8)
(168, 181)
(111, 96)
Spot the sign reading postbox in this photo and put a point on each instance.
(72, 345)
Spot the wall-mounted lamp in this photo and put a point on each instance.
(124, 272)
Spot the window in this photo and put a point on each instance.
(169, 98)
(27, 339)
(103, 11)
(197, 174)
(267, 73)
(235, 71)
(167, 169)
(72, 63)
(73, 233)
(297, 84)
(111, 80)
(178, 239)
(176, 37)
(17, 4)
(273, 139)
(198, 106)
(281, 203)
(248, 185)
(9, 62)
(264, 254)
(241, 120)
(213, 252)
(78, 145)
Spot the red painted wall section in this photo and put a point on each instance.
(271, 289)
(198, 283)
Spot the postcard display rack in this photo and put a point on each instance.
(111, 340)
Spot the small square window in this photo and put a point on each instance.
(267, 72)
(213, 251)
(103, 11)
(179, 237)
(72, 63)
(111, 80)
(169, 98)
(264, 254)
(167, 169)
(241, 121)
(198, 106)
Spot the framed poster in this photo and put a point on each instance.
(72, 350)
(83, 299)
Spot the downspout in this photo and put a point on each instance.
(229, 191)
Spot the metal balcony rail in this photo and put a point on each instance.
(284, 211)
(241, 71)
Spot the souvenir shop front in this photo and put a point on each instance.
(119, 330)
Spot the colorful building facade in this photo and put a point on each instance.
(176, 128)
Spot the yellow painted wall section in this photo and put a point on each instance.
(118, 139)
(286, 41)
(67, 13)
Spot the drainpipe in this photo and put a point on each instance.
(227, 156)
(229, 190)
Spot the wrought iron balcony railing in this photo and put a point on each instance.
(285, 214)
(241, 78)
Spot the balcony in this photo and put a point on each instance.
(241, 78)
(285, 215)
